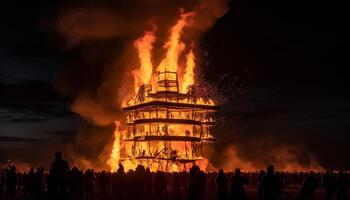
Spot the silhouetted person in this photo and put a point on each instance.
(221, 182)
(30, 184)
(129, 182)
(237, 186)
(270, 185)
(120, 170)
(160, 186)
(11, 183)
(176, 189)
(118, 187)
(307, 190)
(260, 187)
(39, 182)
(329, 185)
(184, 180)
(103, 182)
(57, 176)
(194, 186)
(89, 184)
(202, 184)
(342, 184)
(76, 182)
(139, 183)
(2, 183)
(148, 185)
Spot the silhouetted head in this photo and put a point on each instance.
(75, 169)
(237, 172)
(270, 169)
(140, 169)
(121, 166)
(262, 172)
(40, 169)
(58, 155)
(13, 169)
(221, 173)
(196, 168)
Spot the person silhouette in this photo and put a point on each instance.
(120, 170)
(148, 184)
(139, 182)
(89, 180)
(57, 176)
(307, 191)
(117, 181)
(202, 184)
(2, 182)
(193, 190)
(176, 190)
(270, 184)
(329, 185)
(237, 186)
(103, 183)
(160, 186)
(30, 183)
(39, 182)
(221, 182)
(260, 188)
(11, 183)
(342, 184)
(76, 183)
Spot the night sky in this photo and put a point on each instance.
(288, 58)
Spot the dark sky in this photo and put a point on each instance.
(289, 58)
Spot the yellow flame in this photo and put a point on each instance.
(188, 78)
(174, 45)
(144, 46)
(115, 155)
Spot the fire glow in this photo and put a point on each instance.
(167, 121)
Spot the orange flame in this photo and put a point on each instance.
(115, 155)
(144, 46)
(174, 45)
(188, 78)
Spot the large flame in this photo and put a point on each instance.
(188, 78)
(174, 45)
(115, 155)
(144, 46)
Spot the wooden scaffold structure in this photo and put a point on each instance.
(167, 128)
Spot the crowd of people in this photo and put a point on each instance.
(62, 183)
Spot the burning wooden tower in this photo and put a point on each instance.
(169, 118)
(166, 129)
